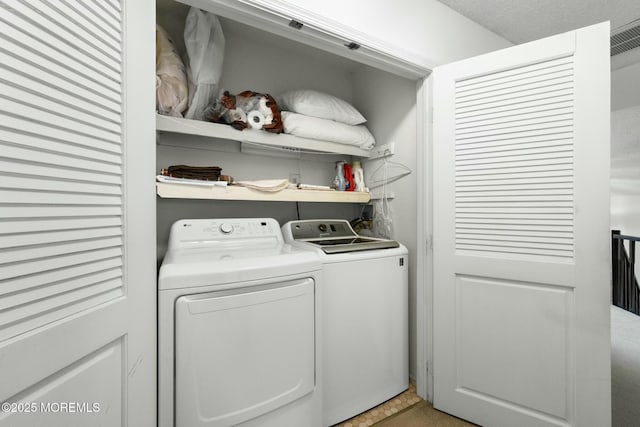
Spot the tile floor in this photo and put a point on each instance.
(423, 414)
(392, 406)
(405, 410)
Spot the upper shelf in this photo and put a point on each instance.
(281, 141)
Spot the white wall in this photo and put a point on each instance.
(625, 170)
(625, 151)
(625, 87)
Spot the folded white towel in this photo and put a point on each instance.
(269, 185)
(201, 182)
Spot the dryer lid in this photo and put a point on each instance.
(204, 252)
(225, 233)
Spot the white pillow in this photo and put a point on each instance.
(318, 104)
(327, 130)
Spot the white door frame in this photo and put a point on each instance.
(424, 256)
(140, 213)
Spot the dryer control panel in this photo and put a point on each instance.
(194, 233)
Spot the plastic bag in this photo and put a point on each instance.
(382, 218)
(205, 43)
(171, 81)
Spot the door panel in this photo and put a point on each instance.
(521, 212)
(537, 354)
(55, 400)
(76, 314)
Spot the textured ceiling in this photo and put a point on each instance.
(520, 21)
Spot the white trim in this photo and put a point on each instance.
(421, 246)
(319, 32)
(335, 28)
(139, 355)
(429, 197)
(424, 293)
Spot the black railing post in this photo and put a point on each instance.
(633, 304)
(615, 267)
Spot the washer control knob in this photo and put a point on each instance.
(226, 228)
(322, 227)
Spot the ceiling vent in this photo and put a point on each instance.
(625, 38)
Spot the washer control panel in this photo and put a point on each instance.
(320, 228)
(207, 232)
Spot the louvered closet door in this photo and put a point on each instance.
(521, 226)
(65, 304)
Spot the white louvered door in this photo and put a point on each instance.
(521, 234)
(76, 314)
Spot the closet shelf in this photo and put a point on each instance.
(285, 142)
(182, 191)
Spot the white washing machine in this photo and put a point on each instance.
(237, 331)
(365, 345)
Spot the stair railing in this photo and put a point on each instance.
(625, 293)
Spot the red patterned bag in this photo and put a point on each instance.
(247, 109)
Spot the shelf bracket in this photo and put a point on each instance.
(380, 151)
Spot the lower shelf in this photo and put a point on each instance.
(181, 191)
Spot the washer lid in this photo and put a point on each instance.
(352, 244)
(333, 236)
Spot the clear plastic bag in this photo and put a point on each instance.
(171, 80)
(204, 41)
(382, 218)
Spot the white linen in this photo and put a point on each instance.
(327, 130)
(268, 185)
(319, 104)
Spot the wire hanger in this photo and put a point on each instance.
(391, 171)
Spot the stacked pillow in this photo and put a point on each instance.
(317, 115)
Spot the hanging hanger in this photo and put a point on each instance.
(391, 171)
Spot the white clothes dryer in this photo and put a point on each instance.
(365, 345)
(237, 329)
